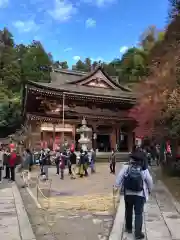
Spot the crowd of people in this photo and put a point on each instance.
(8, 160)
(67, 158)
(76, 164)
(134, 179)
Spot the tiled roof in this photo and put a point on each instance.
(63, 76)
(68, 81)
(88, 75)
(73, 88)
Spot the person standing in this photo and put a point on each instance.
(112, 161)
(6, 163)
(62, 164)
(93, 159)
(137, 185)
(81, 163)
(1, 162)
(72, 160)
(86, 162)
(69, 163)
(41, 157)
(12, 164)
(57, 160)
(27, 165)
(46, 163)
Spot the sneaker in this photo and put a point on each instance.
(140, 236)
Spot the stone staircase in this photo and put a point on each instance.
(104, 156)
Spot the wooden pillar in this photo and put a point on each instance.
(117, 136)
(29, 135)
(54, 135)
(74, 134)
(130, 141)
(113, 138)
(94, 136)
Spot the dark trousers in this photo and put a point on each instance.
(57, 168)
(136, 202)
(85, 169)
(62, 173)
(69, 167)
(41, 169)
(0, 173)
(12, 171)
(7, 172)
(113, 167)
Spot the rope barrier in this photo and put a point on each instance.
(40, 191)
(116, 198)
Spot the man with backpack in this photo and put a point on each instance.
(137, 185)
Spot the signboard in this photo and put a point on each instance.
(49, 127)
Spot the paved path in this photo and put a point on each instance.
(79, 209)
(14, 223)
(161, 217)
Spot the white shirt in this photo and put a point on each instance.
(147, 182)
(1, 158)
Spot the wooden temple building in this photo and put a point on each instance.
(53, 111)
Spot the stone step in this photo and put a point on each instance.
(161, 217)
(104, 157)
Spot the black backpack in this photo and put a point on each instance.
(133, 179)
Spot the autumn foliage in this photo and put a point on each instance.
(158, 96)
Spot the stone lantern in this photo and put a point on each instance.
(85, 139)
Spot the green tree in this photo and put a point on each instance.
(110, 69)
(36, 63)
(62, 65)
(150, 37)
(94, 65)
(88, 64)
(80, 66)
(174, 8)
(132, 66)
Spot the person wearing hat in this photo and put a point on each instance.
(137, 183)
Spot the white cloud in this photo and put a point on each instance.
(76, 58)
(26, 26)
(97, 59)
(3, 3)
(90, 23)
(63, 10)
(123, 49)
(37, 38)
(99, 3)
(68, 49)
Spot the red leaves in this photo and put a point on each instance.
(148, 108)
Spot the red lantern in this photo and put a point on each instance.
(11, 145)
(72, 147)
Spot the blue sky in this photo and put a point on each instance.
(73, 29)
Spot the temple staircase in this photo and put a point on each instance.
(104, 156)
